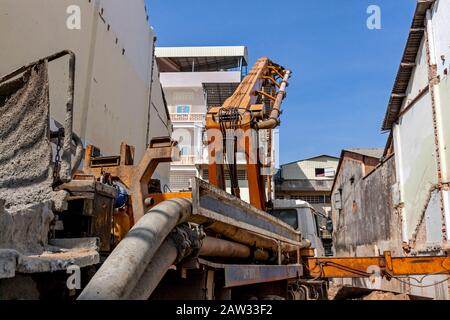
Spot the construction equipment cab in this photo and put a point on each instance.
(302, 217)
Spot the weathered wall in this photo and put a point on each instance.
(367, 217)
(367, 224)
(443, 111)
(415, 138)
(440, 15)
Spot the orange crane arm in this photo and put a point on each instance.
(253, 106)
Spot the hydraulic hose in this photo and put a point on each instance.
(120, 273)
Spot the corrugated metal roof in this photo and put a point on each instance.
(370, 152)
(311, 158)
(303, 185)
(189, 52)
(407, 64)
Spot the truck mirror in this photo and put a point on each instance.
(329, 225)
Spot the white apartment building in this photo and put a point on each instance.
(194, 79)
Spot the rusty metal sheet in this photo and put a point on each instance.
(241, 275)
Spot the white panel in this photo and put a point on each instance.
(128, 22)
(433, 220)
(418, 160)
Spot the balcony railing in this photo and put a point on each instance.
(186, 161)
(187, 117)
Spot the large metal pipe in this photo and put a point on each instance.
(214, 247)
(250, 239)
(274, 116)
(163, 259)
(167, 254)
(120, 273)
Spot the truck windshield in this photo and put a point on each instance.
(287, 215)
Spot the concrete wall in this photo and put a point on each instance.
(113, 52)
(367, 224)
(367, 215)
(306, 169)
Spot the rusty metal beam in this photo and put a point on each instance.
(211, 203)
(135, 177)
(363, 267)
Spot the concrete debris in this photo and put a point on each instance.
(57, 256)
(26, 230)
(340, 292)
(26, 173)
(379, 295)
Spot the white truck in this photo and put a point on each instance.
(302, 217)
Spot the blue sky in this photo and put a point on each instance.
(343, 72)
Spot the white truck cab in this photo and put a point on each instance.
(302, 217)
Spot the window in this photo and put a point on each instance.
(183, 109)
(287, 215)
(325, 172)
(317, 199)
(184, 151)
(320, 172)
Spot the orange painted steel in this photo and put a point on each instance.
(360, 267)
(135, 177)
(247, 113)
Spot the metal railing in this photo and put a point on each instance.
(187, 117)
(186, 160)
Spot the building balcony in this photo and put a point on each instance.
(185, 161)
(286, 185)
(187, 117)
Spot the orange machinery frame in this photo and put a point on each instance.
(266, 82)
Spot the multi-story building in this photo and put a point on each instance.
(308, 180)
(195, 79)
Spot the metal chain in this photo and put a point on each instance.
(58, 156)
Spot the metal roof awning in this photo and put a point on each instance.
(407, 64)
(201, 59)
(217, 93)
(304, 185)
